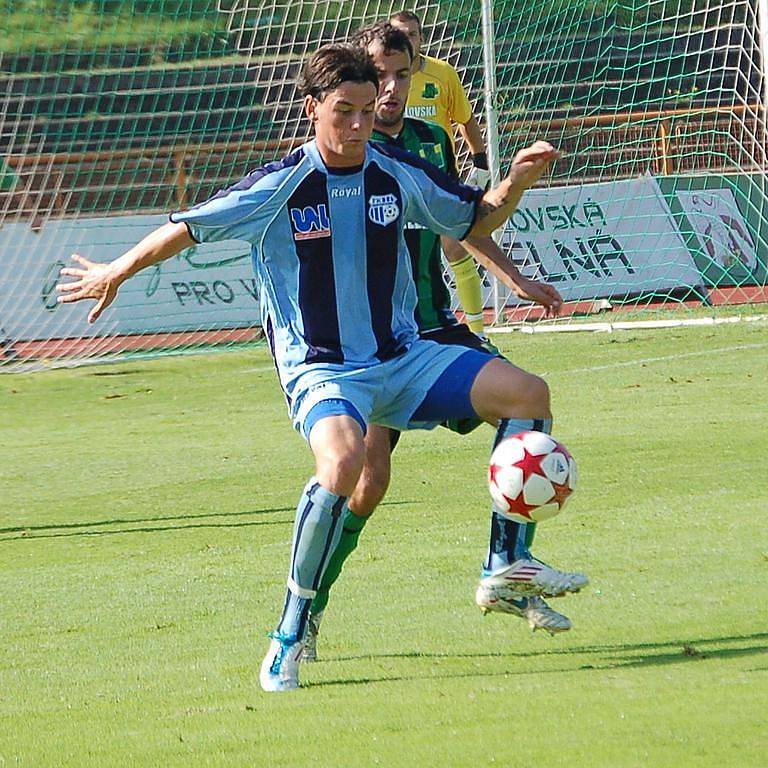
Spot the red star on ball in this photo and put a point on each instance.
(530, 464)
(516, 505)
(562, 492)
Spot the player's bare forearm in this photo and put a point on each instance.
(101, 282)
(498, 204)
(162, 244)
(472, 135)
(487, 253)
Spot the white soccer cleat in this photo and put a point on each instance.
(309, 653)
(531, 578)
(280, 668)
(541, 616)
(533, 609)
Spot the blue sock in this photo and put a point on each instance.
(316, 532)
(508, 539)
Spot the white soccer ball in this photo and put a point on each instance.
(531, 476)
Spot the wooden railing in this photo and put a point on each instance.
(704, 139)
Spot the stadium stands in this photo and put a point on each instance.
(112, 134)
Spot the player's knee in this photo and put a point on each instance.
(529, 398)
(536, 392)
(505, 391)
(453, 250)
(339, 470)
(349, 464)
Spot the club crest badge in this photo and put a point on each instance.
(383, 209)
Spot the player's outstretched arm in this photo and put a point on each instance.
(486, 252)
(101, 282)
(499, 203)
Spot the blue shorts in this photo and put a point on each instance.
(417, 390)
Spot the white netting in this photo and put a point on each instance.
(660, 110)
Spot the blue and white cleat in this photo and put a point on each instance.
(280, 668)
(532, 578)
(533, 609)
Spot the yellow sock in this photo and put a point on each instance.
(470, 293)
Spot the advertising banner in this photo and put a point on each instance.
(722, 234)
(722, 218)
(614, 239)
(204, 287)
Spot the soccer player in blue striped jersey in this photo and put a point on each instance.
(326, 227)
(390, 50)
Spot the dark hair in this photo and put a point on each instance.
(334, 64)
(390, 38)
(406, 16)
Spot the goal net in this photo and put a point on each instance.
(115, 112)
(660, 110)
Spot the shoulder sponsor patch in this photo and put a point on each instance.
(383, 209)
(432, 153)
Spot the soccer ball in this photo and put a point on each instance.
(531, 476)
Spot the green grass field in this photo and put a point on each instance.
(144, 532)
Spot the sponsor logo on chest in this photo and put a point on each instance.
(311, 222)
(431, 91)
(421, 111)
(383, 209)
(346, 192)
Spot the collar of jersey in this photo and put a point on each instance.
(351, 171)
(311, 149)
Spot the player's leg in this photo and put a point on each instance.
(337, 441)
(534, 610)
(369, 491)
(338, 444)
(468, 283)
(505, 533)
(516, 401)
(509, 542)
(502, 394)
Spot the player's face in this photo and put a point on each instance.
(343, 123)
(394, 71)
(411, 28)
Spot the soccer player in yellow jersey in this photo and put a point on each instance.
(438, 96)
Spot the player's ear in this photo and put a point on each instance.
(310, 108)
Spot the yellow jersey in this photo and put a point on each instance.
(438, 96)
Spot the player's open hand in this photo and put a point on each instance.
(530, 163)
(540, 293)
(94, 281)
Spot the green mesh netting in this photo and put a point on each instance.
(116, 112)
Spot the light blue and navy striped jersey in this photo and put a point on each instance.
(329, 251)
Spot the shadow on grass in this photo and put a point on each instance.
(125, 372)
(60, 530)
(604, 657)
